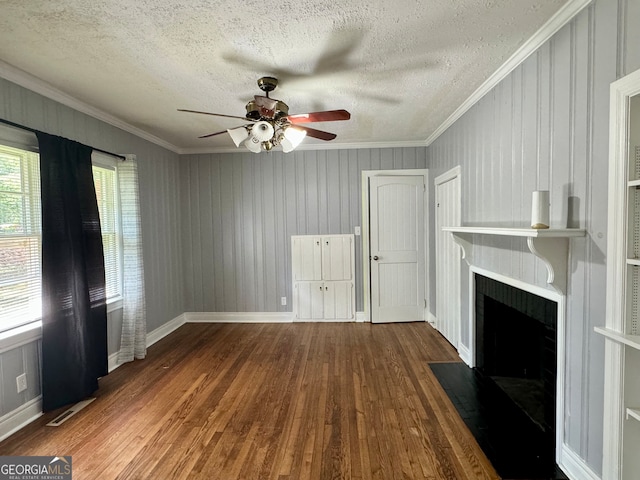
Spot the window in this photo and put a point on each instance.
(20, 239)
(105, 179)
(20, 233)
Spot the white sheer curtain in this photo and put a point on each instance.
(133, 343)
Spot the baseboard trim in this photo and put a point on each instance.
(327, 320)
(113, 361)
(164, 330)
(574, 466)
(431, 318)
(20, 417)
(256, 317)
(238, 317)
(464, 354)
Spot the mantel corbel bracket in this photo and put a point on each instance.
(554, 253)
(466, 245)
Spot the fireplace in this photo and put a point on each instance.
(516, 354)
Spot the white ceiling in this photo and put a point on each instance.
(401, 67)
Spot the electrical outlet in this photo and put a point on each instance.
(283, 300)
(357, 231)
(21, 382)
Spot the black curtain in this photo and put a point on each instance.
(74, 311)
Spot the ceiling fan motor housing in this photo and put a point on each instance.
(254, 112)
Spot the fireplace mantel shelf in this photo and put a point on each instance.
(520, 232)
(551, 245)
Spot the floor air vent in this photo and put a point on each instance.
(67, 414)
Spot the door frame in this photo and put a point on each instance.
(366, 212)
(453, 173)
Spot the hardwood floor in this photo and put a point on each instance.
(271, 401)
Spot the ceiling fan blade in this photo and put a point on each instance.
(212, 134)
(224, 131)
(312, 132)
(217, 115)
(326, 116)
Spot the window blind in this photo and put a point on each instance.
(105, 180)
(20, 238)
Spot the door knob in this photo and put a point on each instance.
(375, 257)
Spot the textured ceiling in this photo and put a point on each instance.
(400, 67)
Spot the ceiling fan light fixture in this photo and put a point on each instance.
(292, 138)
(253, 144)
(238, 135)
(262, 131)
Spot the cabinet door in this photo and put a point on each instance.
(338, 300)
(337, 257)
(306, 258)
(309, 300)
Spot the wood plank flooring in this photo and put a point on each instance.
(271, 401)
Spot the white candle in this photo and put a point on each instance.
(540, 209)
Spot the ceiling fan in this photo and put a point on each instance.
(270, 123)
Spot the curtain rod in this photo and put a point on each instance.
(33, 130)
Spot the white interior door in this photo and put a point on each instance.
(448, 214)
(397, 248)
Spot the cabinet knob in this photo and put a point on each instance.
(375, 257)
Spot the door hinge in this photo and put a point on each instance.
(425, 303)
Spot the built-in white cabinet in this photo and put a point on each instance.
(323, 271)
(621, 458)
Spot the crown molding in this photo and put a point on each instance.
(30, 82)
(544, 33)
(310, 146)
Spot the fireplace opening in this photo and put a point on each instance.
(515, 348)
(516, 354)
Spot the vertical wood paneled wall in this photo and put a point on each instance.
(546, 126)
(239, 212)
(159, 204)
